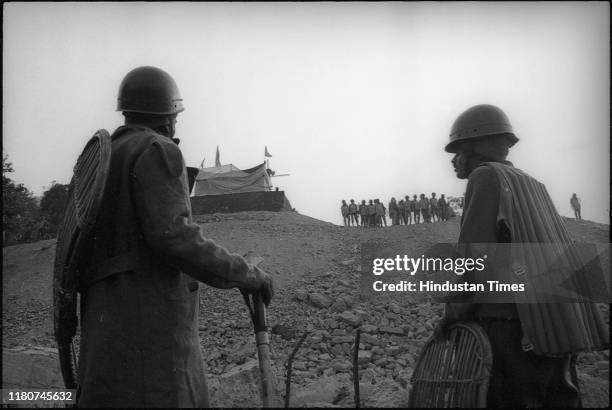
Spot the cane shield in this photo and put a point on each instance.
(73, 241)
(453, 372)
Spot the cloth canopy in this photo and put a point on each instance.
(229, 179)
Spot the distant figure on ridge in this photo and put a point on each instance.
(393, 211)
(442, 208)
(371, 214)
(425, 208)
(407, 210)
(344, 209)
(433, 207)
(401, 212)
(575, 203)
(363, 212)
(416, 207)
(384, 213)
(354, 213)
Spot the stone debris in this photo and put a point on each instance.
(392, 330)
(350, 318)
(320, 301)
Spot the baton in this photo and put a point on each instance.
(257, 310)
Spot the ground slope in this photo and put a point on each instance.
(316, 269)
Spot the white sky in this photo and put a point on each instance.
(354, 100)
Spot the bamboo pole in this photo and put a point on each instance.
(356, 368)
(289, 369)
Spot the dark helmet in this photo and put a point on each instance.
(149, 90)
(479, 121)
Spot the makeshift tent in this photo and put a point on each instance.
(228, 179)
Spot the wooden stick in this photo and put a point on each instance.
(289, 368)
(356, 368)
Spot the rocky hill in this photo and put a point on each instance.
(316, 269)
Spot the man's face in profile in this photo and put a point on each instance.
(460, 163)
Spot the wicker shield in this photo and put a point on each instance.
(453, 372)
(73, 240)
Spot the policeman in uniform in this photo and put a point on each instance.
(425, 208)
(393, 211)
(344, 210)
(354, 213)
(575, 203)
(139, 301)
(371, 213)
(416, 207)
(442, 205)
(533, 360)
(363, 212)
(433, 206)
(407, 210)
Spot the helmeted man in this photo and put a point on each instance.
(344, 210)
(354, 213)
(575, 203)
(416, 207)
(533, 362)
(407, 210)
(384, 212)
(363, 212)
(140, 345)
(401, 212)
(433, 207)
(424, 204)
(442, 208)
(378, 207)
(371, 214)
(393, 211)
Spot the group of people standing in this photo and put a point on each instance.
(404, 212)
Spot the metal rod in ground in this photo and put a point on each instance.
(356, 368)
(289, 367)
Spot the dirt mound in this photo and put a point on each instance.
(315, 265)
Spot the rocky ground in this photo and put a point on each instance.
(316, 269)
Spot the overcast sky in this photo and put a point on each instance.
(354, 100)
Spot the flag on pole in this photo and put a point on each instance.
(217, 159)
(267, 154)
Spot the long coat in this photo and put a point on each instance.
(139, 311)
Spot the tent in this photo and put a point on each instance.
(228, 179)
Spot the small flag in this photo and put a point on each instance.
(267, 154)
(217, 159)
